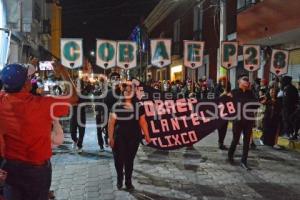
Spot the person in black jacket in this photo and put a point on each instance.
(290, 102)
(126, 121)
(222, 88)
(245, 122)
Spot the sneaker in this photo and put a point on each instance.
(74, 145)
(101, 149)
(277, 147)
(245, 166)
(294, 137)
(261, 142)
(79, 150)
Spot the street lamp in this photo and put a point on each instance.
(92, 53)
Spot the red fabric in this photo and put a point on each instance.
(26, 123)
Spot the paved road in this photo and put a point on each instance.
(199, 173)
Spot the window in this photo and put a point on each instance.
(244, 4)
(198, 21)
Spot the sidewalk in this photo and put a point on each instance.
(200, 173)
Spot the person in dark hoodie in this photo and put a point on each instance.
(290, 102)
(243, 95)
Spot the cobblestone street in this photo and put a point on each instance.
(198, 173)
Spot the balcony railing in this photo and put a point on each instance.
(245, 4)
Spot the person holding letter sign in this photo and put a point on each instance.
(124, 130)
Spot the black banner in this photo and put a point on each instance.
(176, 123)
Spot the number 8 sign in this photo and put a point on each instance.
(279, 62)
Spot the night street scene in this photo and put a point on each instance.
(149, 99)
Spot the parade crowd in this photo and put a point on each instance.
(26, 146)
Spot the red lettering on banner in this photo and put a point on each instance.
(176, 139)
(154, 130)
(183, 139)
(195, 119)
(203, 118)
(170, 106)
(160, 107)
(193, 136)
(164, 125)
(149, 108)
(161, 144)
(191, 101)
(175, 124)
(181, 105)
(170, 144)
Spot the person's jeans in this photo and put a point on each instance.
(124, 153)
(222, 133)
(237, 129)
(75, 124)
(27, 182)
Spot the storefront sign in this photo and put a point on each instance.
(229, 52)
(160, 52)
(106, 53)
(193, 54)
(126, 55)
(251, 55)
(71, 53)
(279, 62)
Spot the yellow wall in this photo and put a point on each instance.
(56, 30)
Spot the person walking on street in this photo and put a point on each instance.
(27, 145)
(78, 118)
(125, 134)
(244, 123)
(290, 102)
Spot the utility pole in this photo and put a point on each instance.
(223, 35)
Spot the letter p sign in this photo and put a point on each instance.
(229, 54)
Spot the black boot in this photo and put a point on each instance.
(230, 156)
(129, 186)
(120, 182)
(222, 147)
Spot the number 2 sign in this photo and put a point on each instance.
(251, 57)
(279, 62)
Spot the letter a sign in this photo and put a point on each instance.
(251, 57)
(160, 52)
(193, 54)
(71, 53)
(229, 54)
(279, 62)
(126, 57)
(106, 53)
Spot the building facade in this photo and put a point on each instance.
(31, 25)
(189, 20)
(272, 24)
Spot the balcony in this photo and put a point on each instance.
(270, 22)
(245, 4)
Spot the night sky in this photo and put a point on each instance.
(109, 19)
